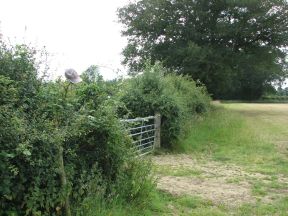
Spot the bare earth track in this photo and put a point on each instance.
(220, 183)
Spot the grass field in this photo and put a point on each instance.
(234, 161)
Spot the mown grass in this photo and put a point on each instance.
(196, 206)
(179, 171)
(246, 135)
(230, 136)
(191, 205)
(242, 134)
(166, 204)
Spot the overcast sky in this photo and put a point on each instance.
(76, 33)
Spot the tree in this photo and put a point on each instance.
(21, 64)
(92, 74)
(236, 48)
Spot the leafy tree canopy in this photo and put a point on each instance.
(236, 48)
(92, 74)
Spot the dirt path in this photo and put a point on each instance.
(221, 183)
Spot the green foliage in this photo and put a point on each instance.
(138, 190)
(18, 63)
(8, 92)
(275, 98)
(281, 95)
(234, 47)
(37, 119)
(177, 98)
(92, 74)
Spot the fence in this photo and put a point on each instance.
(145, 133)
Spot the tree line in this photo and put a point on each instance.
(236, 48)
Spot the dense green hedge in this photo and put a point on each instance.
(275, 97)
(176, 98)
(40, 118)
(37, 119)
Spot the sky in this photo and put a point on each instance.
(76, 33)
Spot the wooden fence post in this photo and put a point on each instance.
(64, 180)
(157, 139)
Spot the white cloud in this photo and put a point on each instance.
(78, 33)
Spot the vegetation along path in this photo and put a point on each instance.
(235, 160)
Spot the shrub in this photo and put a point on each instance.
(38, 119)
(83, 121)
(177, 98)
(18, 63)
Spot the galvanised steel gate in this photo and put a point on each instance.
(145, 133)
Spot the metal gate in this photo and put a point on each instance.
(144, 132)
